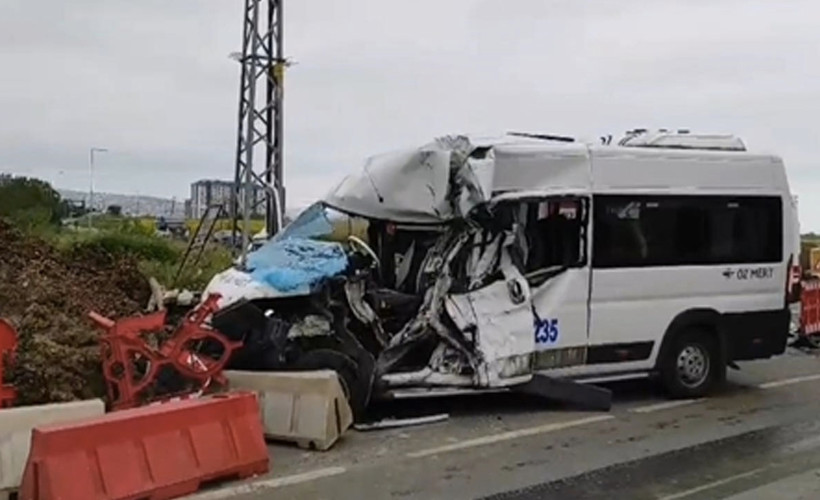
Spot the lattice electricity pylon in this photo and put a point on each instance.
(261, 122)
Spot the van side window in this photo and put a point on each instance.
(553, 234)
(635, 231)
(550, 234)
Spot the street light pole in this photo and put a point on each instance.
(91, 182)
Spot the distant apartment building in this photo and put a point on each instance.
(208, 192)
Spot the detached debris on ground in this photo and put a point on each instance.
(47, 295)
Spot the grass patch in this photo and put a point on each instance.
(138, 246)
(194, 277)
(157, 257)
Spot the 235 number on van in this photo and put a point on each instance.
(546, 331)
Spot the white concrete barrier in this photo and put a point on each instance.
(307, 408)
(15, 433)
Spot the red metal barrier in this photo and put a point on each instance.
(132, 366)
(810, 308)
(8, 346)
(156, 452)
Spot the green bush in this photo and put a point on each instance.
(121, 225)
(31, 219)
(123, 244)
(158, 257)
(29, 202)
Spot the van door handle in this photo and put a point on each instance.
(516, 291)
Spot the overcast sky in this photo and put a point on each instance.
(152, 81)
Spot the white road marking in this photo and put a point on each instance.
(788, 381)
(505, 436)
(278, 482)
(803, 445)
(714, 484)
(268, 484)
(665, 405)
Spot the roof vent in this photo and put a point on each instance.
(682, 139)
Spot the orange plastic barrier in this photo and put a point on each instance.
(810, 307)
(157, 452)
(8, 344)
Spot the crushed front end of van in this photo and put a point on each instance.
(407, 276)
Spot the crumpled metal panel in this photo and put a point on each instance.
(504, 327)
(449, 177)
(408, 186)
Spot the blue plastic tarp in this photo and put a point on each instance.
(296, 265)
(312, 223)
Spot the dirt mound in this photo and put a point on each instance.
(47, 296)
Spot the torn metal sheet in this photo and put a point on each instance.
(475, 181)
(354, 291)
(426, 378)
(484, 258)
(392, 423)
(429, 320)
(440, 392)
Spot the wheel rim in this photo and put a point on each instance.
(693, 365)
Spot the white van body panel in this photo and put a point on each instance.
(685, 172)
(608, 307)
(581, 320)
(638, 304)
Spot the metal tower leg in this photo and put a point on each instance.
(258, 177)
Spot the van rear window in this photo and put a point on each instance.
(635, 231)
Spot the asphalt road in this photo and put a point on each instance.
(758, 439)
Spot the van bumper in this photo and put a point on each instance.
(756, 335)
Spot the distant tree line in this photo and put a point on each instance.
(30, 202)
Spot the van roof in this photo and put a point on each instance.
(602, 168)
(449, 176)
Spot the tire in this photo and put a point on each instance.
(356, 390)
(692, 367)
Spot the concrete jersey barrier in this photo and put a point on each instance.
(15, 432)
(307, 408)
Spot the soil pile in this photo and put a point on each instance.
(47, 295)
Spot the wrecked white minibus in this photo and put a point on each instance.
(474, 264)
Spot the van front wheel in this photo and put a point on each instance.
(692, 366)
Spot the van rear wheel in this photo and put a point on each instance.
(692, 366)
